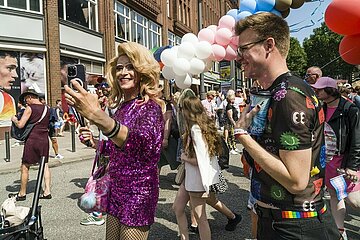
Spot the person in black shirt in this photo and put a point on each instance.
(288, 157)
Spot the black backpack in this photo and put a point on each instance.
(224, 157)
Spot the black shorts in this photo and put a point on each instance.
(314, 228)
(52, 132)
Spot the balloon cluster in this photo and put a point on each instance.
(195, 53)
(214, 43)
(278, 7)
(343, 17)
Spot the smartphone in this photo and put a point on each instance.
(77, 71)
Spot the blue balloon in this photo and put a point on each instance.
(158, 52)
(233, 13)
(243, 15)
(276, 12)
(248, 5)
(265, 5)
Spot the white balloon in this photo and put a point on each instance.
(203, 50)
(168, 72)
(168, 57)
(183, 81)
(190, 37)
(186, 50)
(197, 66)
(181, 66)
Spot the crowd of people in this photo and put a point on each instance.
(307, 139)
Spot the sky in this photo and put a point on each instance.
(306, 18)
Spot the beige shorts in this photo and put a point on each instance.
(199, 194)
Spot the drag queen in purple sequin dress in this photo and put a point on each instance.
(136, 132)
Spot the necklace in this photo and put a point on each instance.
(332, 101)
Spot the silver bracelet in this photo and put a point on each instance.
(240, 131)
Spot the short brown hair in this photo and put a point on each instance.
(267, 25)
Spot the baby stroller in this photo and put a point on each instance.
(31, 228)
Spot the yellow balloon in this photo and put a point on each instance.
(297, 4)
(282, 5)
(285, 13)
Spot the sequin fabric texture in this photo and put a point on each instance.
(134, 188)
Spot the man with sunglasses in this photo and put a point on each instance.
(313, 74)
(287, 156)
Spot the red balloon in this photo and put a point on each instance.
(349, 49)
(343, 17)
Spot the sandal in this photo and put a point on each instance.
(18, 198)
(42, 196)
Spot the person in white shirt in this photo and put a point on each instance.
(209, 103)
(200, 147)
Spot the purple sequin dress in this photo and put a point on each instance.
(134, 188)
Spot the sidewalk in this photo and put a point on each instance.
(65, 149)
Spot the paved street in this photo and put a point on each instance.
(61, 215)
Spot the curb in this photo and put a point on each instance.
(53, 163)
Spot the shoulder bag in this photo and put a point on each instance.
(22, 134)
(96, 193)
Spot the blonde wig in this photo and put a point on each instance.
(145, 65)
(194, 113)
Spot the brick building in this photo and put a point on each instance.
(46, 35)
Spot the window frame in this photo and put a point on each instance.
(90, 16)
(27, 7)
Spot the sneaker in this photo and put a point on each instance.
(92, 220)
(238, 150)
(233, 152)
(59, 156)
(232, 223)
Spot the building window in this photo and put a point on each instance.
(27, 5)
(122, 24)
(82, 12)
(173, 39)
(154, 35)
(132, 26)
(139, 29)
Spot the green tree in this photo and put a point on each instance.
(296, 59)
(322, 49)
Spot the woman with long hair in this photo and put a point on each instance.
(136, 133)
(201, 145)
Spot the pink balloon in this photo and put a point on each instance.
(223, 36)
(235, 40)
(227, 21)
(207, 35)
(218, 52)
(230, 54)
(213, 28)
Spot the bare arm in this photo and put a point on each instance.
(88, 106)
(229, 113)
(167, 119)
(24, 118)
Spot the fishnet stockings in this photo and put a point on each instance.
(117, 231)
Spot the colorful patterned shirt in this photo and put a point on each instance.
(294, 122)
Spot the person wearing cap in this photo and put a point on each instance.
(37, 143)
(313, 74)
(342, 119)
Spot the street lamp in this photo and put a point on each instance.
(202, 84)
